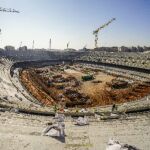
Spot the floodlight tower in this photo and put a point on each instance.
(85, 47)
(95, 32)
(68, 45)
(33, 44)
(50, 44)
(20, 44)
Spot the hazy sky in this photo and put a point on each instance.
(74, 21)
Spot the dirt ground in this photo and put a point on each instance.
(95, 91)
(100, 93)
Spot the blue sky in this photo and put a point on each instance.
(74, 21)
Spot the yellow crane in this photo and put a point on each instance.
(95, 32)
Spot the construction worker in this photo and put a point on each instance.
(55, 108)
(125, 105)
(114, 108)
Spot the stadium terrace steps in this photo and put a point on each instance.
(8, 92)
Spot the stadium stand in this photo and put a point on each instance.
(13, 92)
(10, 90)
(132, 59)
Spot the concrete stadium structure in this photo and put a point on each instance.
(17, 102)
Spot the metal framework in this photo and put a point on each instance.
(33, 44)
(20, 44)
(85, 47)
(68, 45)
(50, 44)
(9, 10)
(95, 32)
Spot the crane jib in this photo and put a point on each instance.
(95, 32)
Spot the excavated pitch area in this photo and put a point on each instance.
(63, 84)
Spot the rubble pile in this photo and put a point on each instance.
(118, 84)
(76, 98)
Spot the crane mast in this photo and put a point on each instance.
(95, 32)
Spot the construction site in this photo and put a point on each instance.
(66, 98)
(81, 86)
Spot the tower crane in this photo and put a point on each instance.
(9, 10)
(95, 32)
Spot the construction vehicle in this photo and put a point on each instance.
(87, 77)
